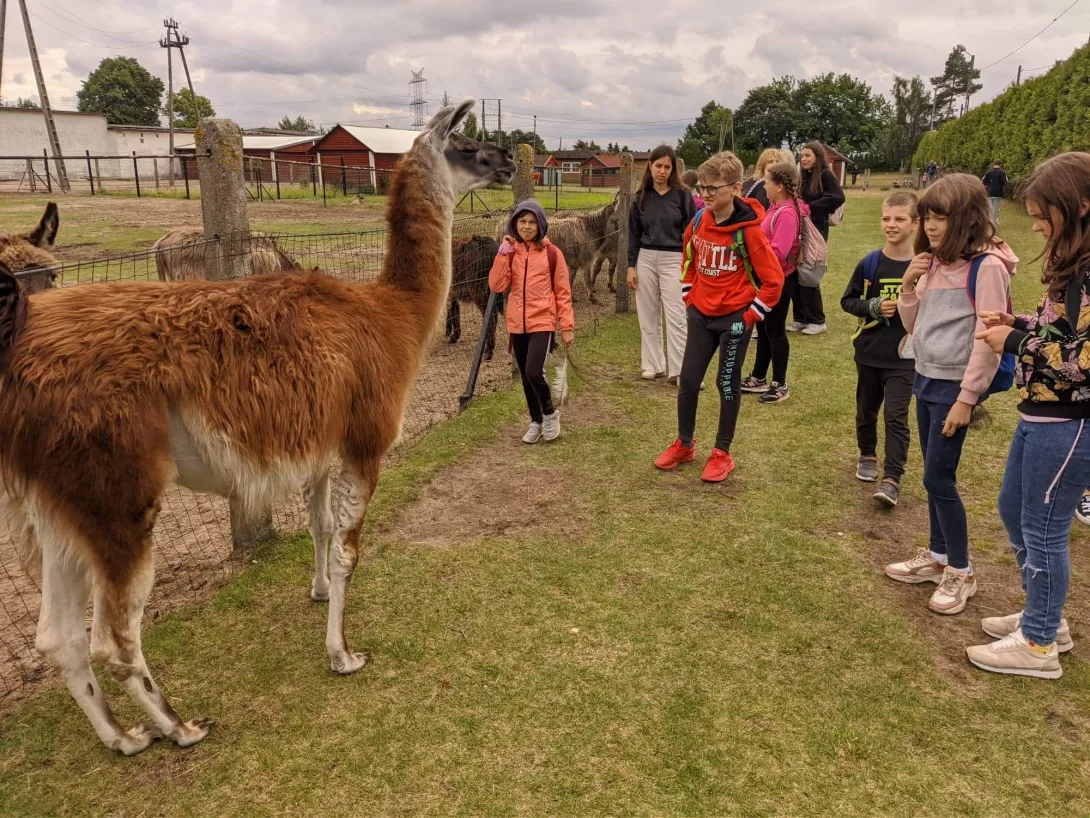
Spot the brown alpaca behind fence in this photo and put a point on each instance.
(180, 255)
(247, 389)
(471, 259)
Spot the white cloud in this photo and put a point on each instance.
(628, 72)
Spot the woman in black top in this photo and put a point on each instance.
(823, 193)
(656, 226)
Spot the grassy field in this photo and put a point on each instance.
(562, 630)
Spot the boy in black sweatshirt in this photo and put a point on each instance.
(884, 373)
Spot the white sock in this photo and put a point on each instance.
(964, 571)
(941, 559)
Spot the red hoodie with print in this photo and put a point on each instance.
(731, 266)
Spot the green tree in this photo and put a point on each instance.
(766, 117)
(517, 137)
(950, 87)
(470, 128)
(908, 120)
(583, 145)
(706, 135)
(23, 102)
(300, 123)
(185, 112)
(123, 90)
(839, 110)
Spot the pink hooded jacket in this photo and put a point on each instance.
(942, 320)
(783, 232)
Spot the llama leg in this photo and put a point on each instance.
(454, 322)
(62, 639)
(320, 524)
(353, 494)
(115, 642)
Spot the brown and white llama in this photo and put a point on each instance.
(242, 388)
(30, 254)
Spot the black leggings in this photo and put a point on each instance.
(772, 343)
(730, 335)
(530, 351)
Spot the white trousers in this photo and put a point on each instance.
(658, 293)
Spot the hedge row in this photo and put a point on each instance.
(1021, 127)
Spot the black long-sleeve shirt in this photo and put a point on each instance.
(825, 201)
(659, 222)
(877, 342)
(755, 189)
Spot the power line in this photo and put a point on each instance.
(1034, 37)
(134, 47)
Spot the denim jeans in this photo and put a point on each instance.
(1047, 470)
(941, 455)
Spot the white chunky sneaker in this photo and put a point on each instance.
(921, 568)
(1000, 626)
(953, 592)
(550, 428)
(1014, 655)
(533, 434)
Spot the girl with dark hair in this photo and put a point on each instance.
(656, 226)
(822, 192)
(1049, 462)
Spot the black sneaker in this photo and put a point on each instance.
(867, 470)
(755, 385)
(888, 492)
(1082, 510)
(776, 393)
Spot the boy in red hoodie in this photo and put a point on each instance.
(730, 280)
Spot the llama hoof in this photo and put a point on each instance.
(319, 594)
(191, 732)
(136, 740)
(349, 663)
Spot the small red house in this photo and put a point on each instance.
(601, 170)
(546, 170)
(362, 152)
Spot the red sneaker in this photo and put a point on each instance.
(719, 465)
(677, 454)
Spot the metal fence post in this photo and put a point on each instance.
(185, 173)
(30, 175)
(48, 181)
(90, 175)
(478, 353)
(136, 173)
(624, 206)
(98, 174)
(344, 179)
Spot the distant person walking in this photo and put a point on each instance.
(995, 180)
(822, 192)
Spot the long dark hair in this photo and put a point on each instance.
(963, 200)
(1059, 187)
(648, 183)
(813, 184)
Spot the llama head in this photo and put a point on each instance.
(26, 252)
(470, 164)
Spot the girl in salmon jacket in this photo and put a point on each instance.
(535, 270)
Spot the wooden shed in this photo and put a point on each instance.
(601, 170)
(362, 152)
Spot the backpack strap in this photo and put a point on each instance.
(870, 268)
(687, 260)
(970, 282)
(552, 252)
(739, 246)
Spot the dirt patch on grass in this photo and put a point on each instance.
(504, 490)
(891, 536)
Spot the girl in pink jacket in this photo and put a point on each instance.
(540, 299)
(781, 224)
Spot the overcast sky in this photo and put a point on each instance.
(634, 72)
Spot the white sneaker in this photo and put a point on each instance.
(533, 434)
(921, 568)
(1013, 655)
(814, 329)
(795, 326)
(953, 592)
(650, 374)
(1000, 626)
(550, 428)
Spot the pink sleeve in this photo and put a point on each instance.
(992, 292)
(908, 304)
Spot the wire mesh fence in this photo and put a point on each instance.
(193, 547)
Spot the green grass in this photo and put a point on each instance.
(738, 651)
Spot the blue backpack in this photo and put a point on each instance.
(1004, 376)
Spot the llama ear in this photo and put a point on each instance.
(46, 232)
(446, 121)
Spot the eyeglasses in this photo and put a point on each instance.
(708, 190)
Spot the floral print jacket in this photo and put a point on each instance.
(1053, 356)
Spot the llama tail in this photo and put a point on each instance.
(13, 310)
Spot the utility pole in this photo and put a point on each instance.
(47, 112)
(418, 106)
(535, 125)
(3, 17)
(969, 81)
(1018, 79)
(178, 41)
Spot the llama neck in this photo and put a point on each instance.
(419, 213)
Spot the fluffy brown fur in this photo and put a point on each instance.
(180, 255)
(249, 388)
(26, 253)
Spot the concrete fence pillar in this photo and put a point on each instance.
(624, 207)
(223, 199)
(522, 185)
